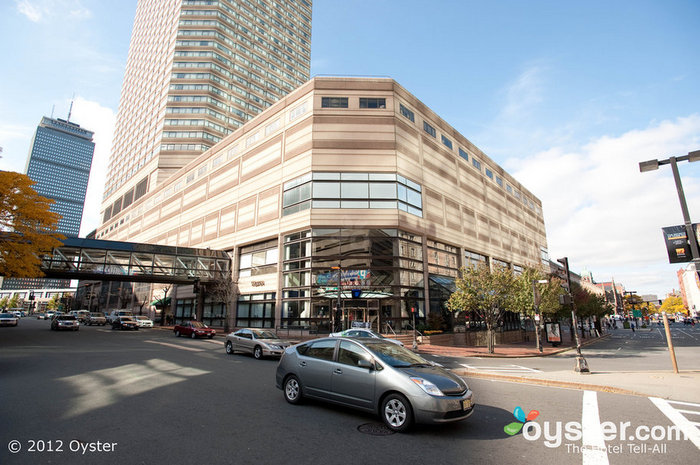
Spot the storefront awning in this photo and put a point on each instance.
(159, 302)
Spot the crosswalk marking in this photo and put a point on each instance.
(593, 451)
(176, 346)
(502, 369)
(689, 428)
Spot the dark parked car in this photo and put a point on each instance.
(194, 329)
(124, 322)
(65, 322)
(375, 376)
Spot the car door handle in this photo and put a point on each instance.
(338, 371)
(302, 364)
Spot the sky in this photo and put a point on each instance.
(568, 97)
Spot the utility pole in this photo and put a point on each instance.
(581, 363)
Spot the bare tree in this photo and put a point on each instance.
(224, 290)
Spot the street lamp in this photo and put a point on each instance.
(537, 310)
(652, 165)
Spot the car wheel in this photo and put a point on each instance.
(293, 392)
(257, 352)
(177, 333)
(193, 336)
(397, 413)
(210, 336)
(229, 347)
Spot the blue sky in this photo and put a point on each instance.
(567, 96)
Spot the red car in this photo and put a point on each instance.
(194, 329)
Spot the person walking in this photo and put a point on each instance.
(632, 325)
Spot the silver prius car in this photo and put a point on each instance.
(259, 342)
(375, 376)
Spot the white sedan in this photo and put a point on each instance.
(143, 321)
(361, 332)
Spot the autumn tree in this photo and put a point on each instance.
(672, 305)
(547, 293)
(54, 302)
(27, 227)
(486, 292)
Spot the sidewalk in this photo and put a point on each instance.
(521, 349)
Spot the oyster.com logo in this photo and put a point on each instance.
(514, 428)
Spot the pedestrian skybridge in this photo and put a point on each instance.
(94, 259)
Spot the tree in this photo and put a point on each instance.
(53, 303)
(27, 227)
(672, 305)
(486, 292)
(3, 302)
(548, 294)
(224, 290)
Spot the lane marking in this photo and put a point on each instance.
(175, 346)
(682, 403)
(593, 450)
(502, 369)
(685, 425)
(688, 334)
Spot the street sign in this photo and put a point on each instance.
(677, 243)
(637, 313)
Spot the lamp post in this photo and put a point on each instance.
(340, 303)
(537, 310)
(581, 364)
(652, 165)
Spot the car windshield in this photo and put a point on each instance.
(66, 317)
(198, 324)
(97, 314)
(396, 356)
(265, 335)
(7, 315)
(141, 317)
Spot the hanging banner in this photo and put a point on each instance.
(347, 278)
(677, 243)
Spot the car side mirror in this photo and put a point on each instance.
(362, 363)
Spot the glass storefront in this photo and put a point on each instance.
(376, 274)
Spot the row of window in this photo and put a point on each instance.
(352, 190)
(342, 102)
(430, 130)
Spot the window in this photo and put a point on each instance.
(476, 163)
(372, 102)
(429, 129)
(407, 113)
(447, 142)
(499, 181)
(350, 353)
(320, 349)
(463, 154)
(489, 173)
(334, 102)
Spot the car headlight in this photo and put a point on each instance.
(274, 347)
(427, 386)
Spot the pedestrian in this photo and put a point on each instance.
(632, 326)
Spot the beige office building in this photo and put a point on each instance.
(345, 181)
(196, 71)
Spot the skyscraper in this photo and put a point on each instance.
(59, 162)
(196, 71)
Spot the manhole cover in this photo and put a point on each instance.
(375, 429)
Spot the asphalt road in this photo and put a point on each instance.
(157, 399)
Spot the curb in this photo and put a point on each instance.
(549, 383)
(487, 355)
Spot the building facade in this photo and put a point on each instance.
(196, 71)
(59, 163)
(689, 281)
(347, 189)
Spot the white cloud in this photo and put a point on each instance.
(95, 117)
(46, 10)
(604, 214)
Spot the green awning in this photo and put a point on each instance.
(159, 302)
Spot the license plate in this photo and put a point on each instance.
(466, 404)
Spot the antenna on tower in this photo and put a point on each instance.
(70, 110)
